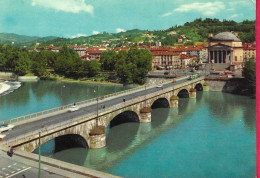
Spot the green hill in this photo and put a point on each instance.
(196, 31)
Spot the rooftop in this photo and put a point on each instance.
(225, 36)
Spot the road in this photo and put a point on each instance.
(59, 118)
(10, 168)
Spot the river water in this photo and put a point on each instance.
(211, 136)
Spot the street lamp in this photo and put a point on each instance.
(97, 114)
(39, 171)
(145, 95)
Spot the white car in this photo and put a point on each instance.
(6, 127)
(1, 137)
(73, 108)
(159, 86)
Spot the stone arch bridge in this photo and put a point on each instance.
(134, 106)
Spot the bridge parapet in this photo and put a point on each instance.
(83, 124)
(19, 120)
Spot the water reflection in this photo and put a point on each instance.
(118, 138)
(76, 156)
(229, 107)
(125, 139)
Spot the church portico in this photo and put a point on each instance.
(225, 48)
(220, 54)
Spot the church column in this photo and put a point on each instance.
(217, 57)
(222, 59)
(225, 60)
(214, 56)
(209, 56)
(231, 57)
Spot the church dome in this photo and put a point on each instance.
(225, 36)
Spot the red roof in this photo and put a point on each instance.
(165, 53)
(184, 56)
(249, 46)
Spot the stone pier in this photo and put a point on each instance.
(192, 93)
(174, 102)
(145, 114)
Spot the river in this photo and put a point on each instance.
(213, 135)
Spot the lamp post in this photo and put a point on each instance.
(39, 171)
(145, 95)
(97, 114)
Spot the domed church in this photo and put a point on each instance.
(225, 48)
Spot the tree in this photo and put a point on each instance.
(22, 65)
(93, 68)
(133, 66)
(108, 60)
(249, 72)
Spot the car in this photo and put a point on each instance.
(73, 108)
(159, 86)
(1, 137)
(6, 127)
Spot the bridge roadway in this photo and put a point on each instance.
(36, 124)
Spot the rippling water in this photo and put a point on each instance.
(212, 136)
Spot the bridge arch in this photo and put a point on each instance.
(183, 93)
(124, 117)
(64, 142)
(160, 103)
(199, 87)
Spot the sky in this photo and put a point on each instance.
(73, 18)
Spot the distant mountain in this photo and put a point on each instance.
(11, 37)
(191, 32)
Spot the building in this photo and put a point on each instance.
(164, 59)
(186, 60)
(81, 50)
(48, 48)
(180, 40)
(94, 53)
(249, 51)
(225, 48)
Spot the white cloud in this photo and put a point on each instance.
(233, 16)
(167, 14)
(74, 6)
(78, 35)
(94, 32)
(118, 30)
(209, 8)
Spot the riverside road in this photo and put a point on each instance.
(49, 121)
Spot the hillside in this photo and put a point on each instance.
(192, 32)
(11, 37)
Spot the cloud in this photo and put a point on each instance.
(167, 14)
(94, 32)
(233, 16)
(208, 8)
(78, 35)
(73, 6)
(118, 30)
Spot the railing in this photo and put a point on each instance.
(91, 115)
(61, 108)
(58, 126)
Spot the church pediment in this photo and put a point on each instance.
(220, 45)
